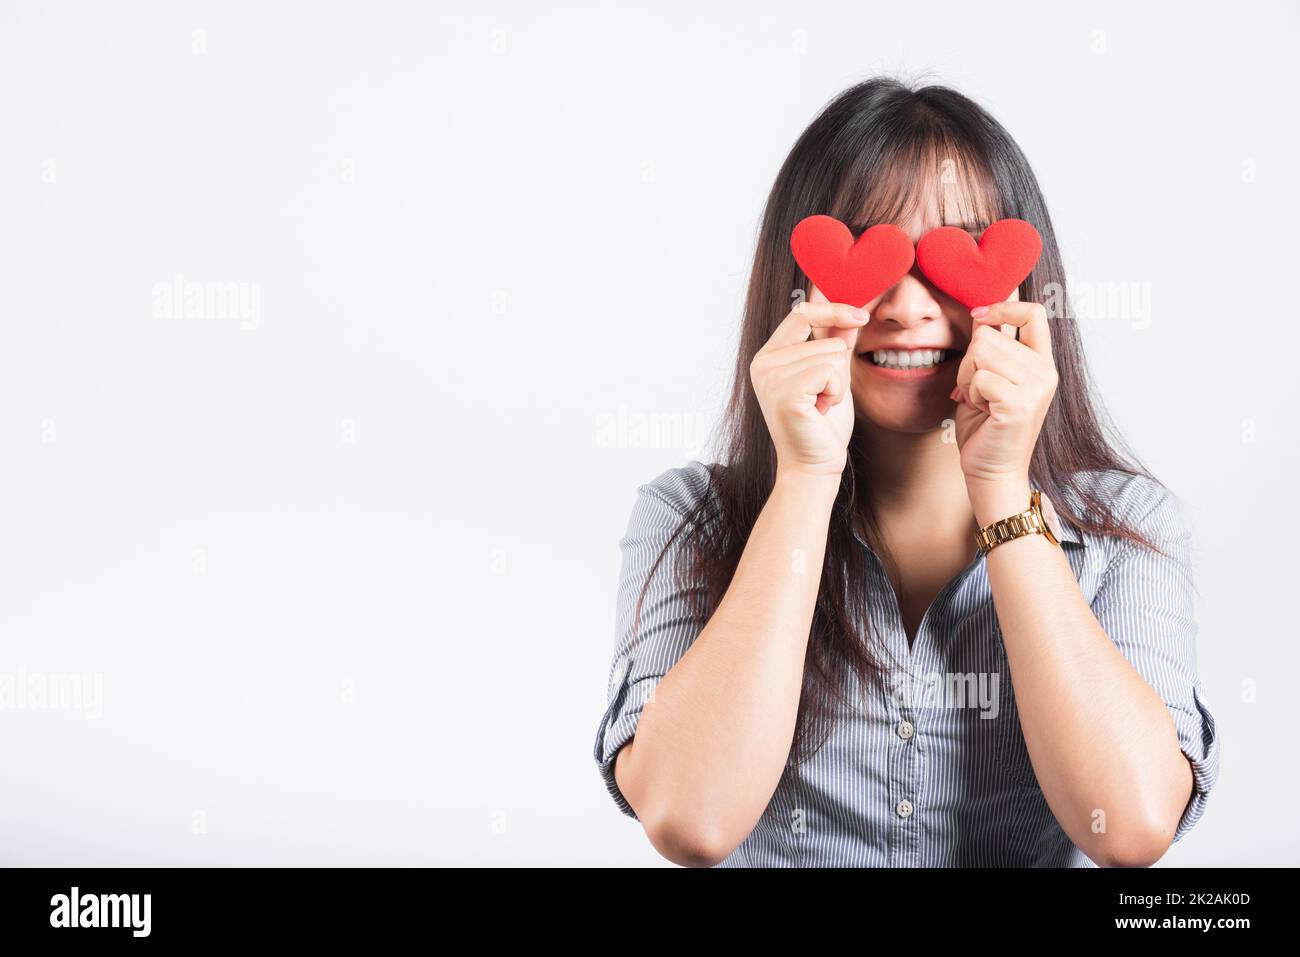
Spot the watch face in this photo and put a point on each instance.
(1049, 516)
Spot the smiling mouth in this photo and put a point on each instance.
(902, 360)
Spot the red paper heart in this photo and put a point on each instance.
(848, 271)
(983, 275)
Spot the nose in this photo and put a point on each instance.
(909, 303)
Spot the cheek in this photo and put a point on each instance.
(818, 296)
(862, 381)
(963, 322)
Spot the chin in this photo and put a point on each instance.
(914, 418)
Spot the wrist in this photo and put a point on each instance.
(808, 486)
(993, 501)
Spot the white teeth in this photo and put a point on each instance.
(916, 358)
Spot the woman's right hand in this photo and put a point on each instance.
(803, 386)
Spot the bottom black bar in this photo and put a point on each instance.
(114, 906)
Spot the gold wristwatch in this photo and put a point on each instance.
(1039, 518)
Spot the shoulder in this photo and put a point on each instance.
(680, 489)
(662, 508)
(1128, 494)
(1138, 500)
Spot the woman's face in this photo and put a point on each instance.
(899, 383)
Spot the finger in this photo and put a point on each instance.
(800, 350)
(1029, 317)
(794, 371)
(990, 349)
(816, 295)
(849, 335)
(820, 377)
(992, 393)
(807, 316)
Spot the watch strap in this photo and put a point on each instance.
(1028, 522)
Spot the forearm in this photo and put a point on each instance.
(1100, 738)
(712, 743)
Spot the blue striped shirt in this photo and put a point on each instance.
(931, 771)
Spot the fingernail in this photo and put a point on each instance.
(861, 314)
(953, 394)
(979, 312)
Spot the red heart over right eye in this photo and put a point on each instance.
(847, 271)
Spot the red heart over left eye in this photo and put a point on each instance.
(985, 274)
(847, 271)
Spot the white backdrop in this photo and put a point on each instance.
(332, 534)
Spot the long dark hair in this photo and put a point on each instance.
(866, 159)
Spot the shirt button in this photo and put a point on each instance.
(904, 808)
(905, 730)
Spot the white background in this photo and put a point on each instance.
(347, 572)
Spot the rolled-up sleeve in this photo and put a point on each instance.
(645, 649)
(1146, 603)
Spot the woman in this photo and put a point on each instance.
(816, 664)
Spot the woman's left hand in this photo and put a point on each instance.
(1004, 388)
